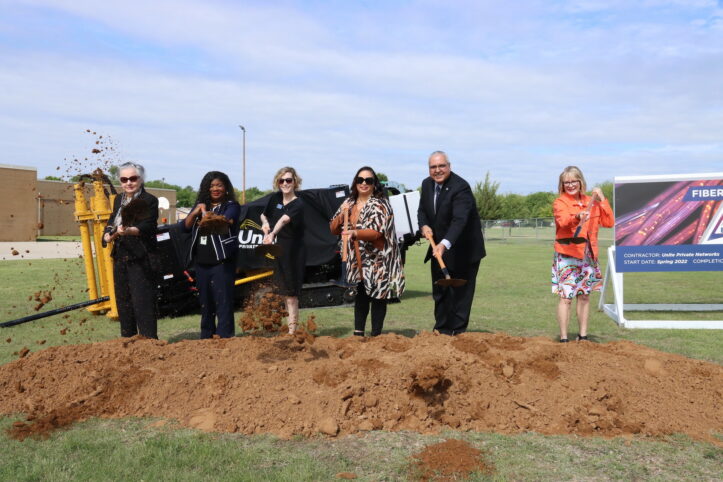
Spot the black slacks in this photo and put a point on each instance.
(215, 292)
(362, 303)
(452, 306)
(135, 295)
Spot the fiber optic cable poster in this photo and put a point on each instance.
(669, 223)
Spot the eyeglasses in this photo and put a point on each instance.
(438, 166)
(570, 183)
(124, 180)
(362, 180)
(287, 180)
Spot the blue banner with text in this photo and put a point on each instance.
(669, 258)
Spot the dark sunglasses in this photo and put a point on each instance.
(124, 180)
(287, 180)
(368, 180)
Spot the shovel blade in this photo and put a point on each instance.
(269, 249)
(453, 282)
(341, 282)
(449, 281)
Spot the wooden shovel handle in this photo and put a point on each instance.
(587, 210)
(344, 241)
(434, 245)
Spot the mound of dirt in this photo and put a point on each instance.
(448, 460)
(289, 385)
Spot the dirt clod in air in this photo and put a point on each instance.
(42, 298)
(272, 383)
(23, 352)
(263, 312)
(449, 460)
(311, 324)
(15, 252)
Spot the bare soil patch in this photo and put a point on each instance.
(449, 460)
(304, 385)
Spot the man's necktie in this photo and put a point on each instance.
(437, 190)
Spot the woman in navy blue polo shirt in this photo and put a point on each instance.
(213, 252)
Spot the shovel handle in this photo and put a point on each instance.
(587, 210)
(344, 242)
(438, 258)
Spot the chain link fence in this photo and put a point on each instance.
(530, 228)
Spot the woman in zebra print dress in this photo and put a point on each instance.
(374, 263)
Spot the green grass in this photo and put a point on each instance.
(513, 296)
(132, 449)
(59, 238)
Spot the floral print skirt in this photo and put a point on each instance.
(574, 276)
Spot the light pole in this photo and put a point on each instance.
(243, 177)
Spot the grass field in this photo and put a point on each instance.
(513, 296)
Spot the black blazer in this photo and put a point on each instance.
(136, 247)
(456, 220)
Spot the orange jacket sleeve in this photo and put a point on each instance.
(375, 237)
(565, 215)
(607, 218)
(335, 224)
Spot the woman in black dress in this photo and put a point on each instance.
(283, 221)
(132, 230)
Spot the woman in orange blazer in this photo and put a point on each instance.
(575, 269)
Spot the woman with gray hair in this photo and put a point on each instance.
(132, 229)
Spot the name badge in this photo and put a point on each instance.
(279, 206)
(203, 240)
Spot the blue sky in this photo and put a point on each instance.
(520, 89)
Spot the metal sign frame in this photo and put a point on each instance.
(613, 280)
(616, 310)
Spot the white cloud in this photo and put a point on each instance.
(520, 91)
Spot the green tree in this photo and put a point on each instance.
(185, 197)
(382, 177)
(539, 204)
(488, 203)
(252, 194)
(113, 174)
(513, 206)
(52, 178)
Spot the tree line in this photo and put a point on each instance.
(491, 205)
(185, 196)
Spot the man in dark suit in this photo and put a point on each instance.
(448, 212)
